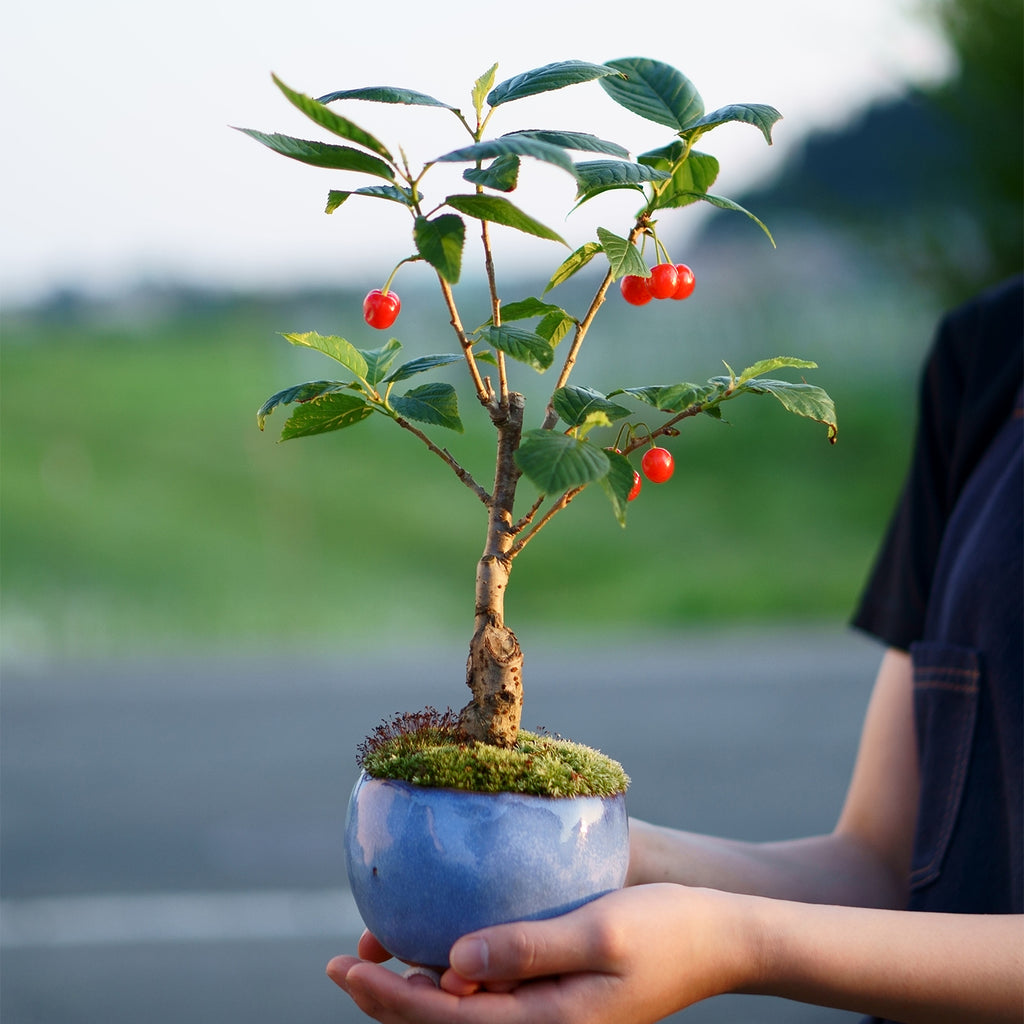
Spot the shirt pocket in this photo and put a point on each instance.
(947, 680)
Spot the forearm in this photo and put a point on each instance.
(832, 868)
(910, 967)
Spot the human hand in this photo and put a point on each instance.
(637, 954)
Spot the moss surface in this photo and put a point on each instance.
(426, 749)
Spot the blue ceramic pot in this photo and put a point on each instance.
(429, 865)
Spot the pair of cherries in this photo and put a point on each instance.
(667, 281)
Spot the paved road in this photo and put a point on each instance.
(171, 829)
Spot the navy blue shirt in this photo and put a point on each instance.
(948, 587)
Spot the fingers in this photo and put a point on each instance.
(369, 948)
(533, 949)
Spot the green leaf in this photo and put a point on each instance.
(334, 123)
(655, 91)
(481, 87)
(692, 177)
(546, 79)
(439, 242)
(335, 197)
(623, 257)
(555, 462)
(330, 412)
(297, 393)
(511, 145)
(574, 263)
(501, 174)
(497, 210)
(524, 346)
(529, 307)
(672, 397)
(337, 348)
(555, 326)
(617, 484)
(597, 176)
(422, 365)
(583, 141)
(385, 94)
(322, 154)
(774, 363)
(803, 399)
(379, 360)
(723, 204)
(434, 403)
(759, 115)
(575, 404)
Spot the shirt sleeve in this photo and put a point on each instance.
(967, 388)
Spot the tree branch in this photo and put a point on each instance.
(448, 459)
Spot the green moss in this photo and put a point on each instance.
(427, 749)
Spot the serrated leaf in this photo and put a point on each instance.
(555, 462)
(335, 197)
(523, 346)
(322, 154)
(774, 363)
(575, 404)
(497, 210)
(617, 483)
(385, 94)
(510, 145)
(555, 326)
(723, 204)
(334, 123)
(623, 256)
(501, 174)
(439, 241)
(656, 91)
(597, 176)
(422, 365)
(574, 263)
(297, 393)
(546, 79)
(524, 309)
(802, 399)
(693, 177)
(379, 360)
(435, 403)
(337, 348)
(671, 397)
(330, 412)
(760, 115)
(582, 141)
(481, 87)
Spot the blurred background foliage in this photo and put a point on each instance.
(143, 511)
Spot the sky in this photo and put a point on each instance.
(120, 166)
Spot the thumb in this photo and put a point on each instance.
(526, 949)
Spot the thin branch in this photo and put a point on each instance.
(528, 518)
(557, 507)
(484, 392)
(448, 459)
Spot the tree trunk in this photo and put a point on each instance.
(494, 670)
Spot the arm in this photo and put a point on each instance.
(863, 862)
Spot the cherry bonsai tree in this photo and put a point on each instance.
(582, 436)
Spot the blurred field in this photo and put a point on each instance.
(142, 509)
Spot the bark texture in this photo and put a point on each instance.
(494, 670)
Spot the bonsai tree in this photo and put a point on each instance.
(582, 436)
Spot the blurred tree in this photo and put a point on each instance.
(932, 182)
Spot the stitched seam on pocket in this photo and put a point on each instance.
(931, 679)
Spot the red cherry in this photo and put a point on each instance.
(657, 464)
(635, 489)
(663, 281)
(380, 309)
(634, 290)
(685, 282)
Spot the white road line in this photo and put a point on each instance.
(155, 917)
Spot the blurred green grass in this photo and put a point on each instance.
(143, 511)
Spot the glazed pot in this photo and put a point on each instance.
(429, 865)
